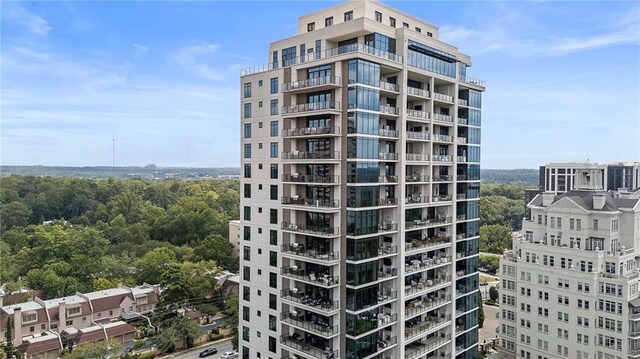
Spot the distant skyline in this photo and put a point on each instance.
(563, 78)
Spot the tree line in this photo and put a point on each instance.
(67, 235)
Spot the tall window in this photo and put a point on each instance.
(318, 49)
(247, 110)
(274, 171)
(288, 56)
(247, 150)
(247, 90)
(328, 21)
(311, 26)
(392, 22)
(247, 170)
(247, 190)
(247, 130)
(273, 237)
(378, 16)
(274, 107)
(274, 85)
(275, 59)
(274, 192)
(274, 150)
(274, 128)
(273, 216)
(246, 273)
(247, 213)
(348, 16)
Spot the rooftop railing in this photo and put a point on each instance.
(473, 81)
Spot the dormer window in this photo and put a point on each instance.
(26, 318)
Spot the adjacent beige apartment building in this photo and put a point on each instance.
(570, 285)
(360, 188)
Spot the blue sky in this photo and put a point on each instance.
(563, 78)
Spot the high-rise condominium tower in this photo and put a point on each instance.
(570, 285)
(360, 185)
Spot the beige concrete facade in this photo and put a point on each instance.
(359, 192)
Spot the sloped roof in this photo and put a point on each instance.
(584, 199)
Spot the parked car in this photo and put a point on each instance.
(207, 352)
(482, 284)
(229, 355)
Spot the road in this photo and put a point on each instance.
(193, 353)
(488, 330)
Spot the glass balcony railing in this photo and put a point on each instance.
(417, 135)
(442, 138)
(463, 121)
(416, 199)
(310, 202)
(422, 327)
(313, 82)
(423, 305)
(418, 114)
(463, 102)
(442, 178)
(387, 86)
(304, 300)
(461, 140)
(442, 198)
(442, 118)
(418, 349)
(323, 280)
(316, 327)
(442, 97)
(417, 178)
(424, 284)
(337, 51)
(313, 230)
(441, 158)
(296, 177)
(426, 242)
(417, 92)
(419, 265)
(364, 324)
(313, 106)
(301, 250)
(473, 81)
(389, 110)
(462, 158)
(388, 133)
(417, 157)
(313, 155)
(425, 222)
(381, 228)
(297, 342)
(311, 131)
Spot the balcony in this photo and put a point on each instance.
(462, 158)
(310, 202)
(461, 217)
(387, 86)
(472, 81)
(380, 228)
(311, 131)
(441, 158)
(323, 280)
(299, 249)
(417, 92)
(423, 284)
(417, 223)
(296, 342)
(386, 342)
(423, 115)
(423, 305)
(426, 242)
(420, 265)
(365, 254)
(313, 155)
(417, 157)
(422, 327)
(298, 178)
(388, 179)
(442, 138)
(390, 110)
(388, 133)
(463, 102)
(442, 118)
(418, 349)
(365, 324)
(296, 319)
(442, 178)
(387, 156)
(323, 82)
(463, 121)
(461, 140)
(380, 202)
(313, 230)
(417, 135)
(311, 107)
(442, 198)
(416, 198)
(337, 51)
(417, 178)
(442, 97)
(319, 304)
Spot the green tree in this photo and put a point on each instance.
(218, 249)
(491, 263)
(14, 214)
(99, 350)
(9, 346)
(103, 283)
(151, 266)
(175, 329)
(495, 238)
(231, 311)
(493, 293)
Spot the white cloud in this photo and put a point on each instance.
(454, 34)
(36, 24)
(207, 61)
